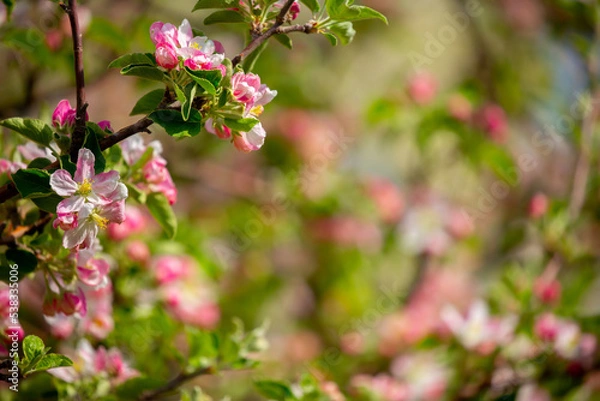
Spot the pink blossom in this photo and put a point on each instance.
(422, 88)
(294, 9)
(105, 125)
(86, 186)
(547, 290)
(251, 140)
(64, 115)
(166, 56)
(538, 206)
(383, 386)
(492, 120)
(91, 271)
(90, 220)
(531, 392)
(248, 90)
(31, 151)
(135, 222)
(8, 167)
(168, 268)
(217, 128)
(547, 326)
(387, 198)
(425, 376)
(138, 251)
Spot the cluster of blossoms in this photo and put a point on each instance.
(253, 95)
(178, 46)
(565, 337)
(154, 175)
(108, 365)
(186, 294)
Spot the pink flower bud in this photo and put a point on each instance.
(105, 125)
(50, 305)
(166, 57)
(422, 88)
(169, 268)
(492, 120)
(63, 115)
(547, 327)
(538, 206)
(547, 291)
(72, 303)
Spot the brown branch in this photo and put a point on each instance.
(174, 383)
(38, 226)
(274, 30)
(78, 136)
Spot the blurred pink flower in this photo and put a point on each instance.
(531, 392)
(348, 231)
(31, 151)
(538, 206)
(138, 251)
(425, 376)
(135, 222)
(388, 199)
(422, 88)
(492, 119)
(547, 290)
(382, 386)
(8, 167)
(168, 268)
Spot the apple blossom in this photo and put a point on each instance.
(294, 9)
(422, 88)
(135, 222)
(247, 89)
(251, 140)
(31, 151)
(64, 115)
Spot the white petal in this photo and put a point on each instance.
(62, 183)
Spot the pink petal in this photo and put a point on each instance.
(62, 183)
(70, 205)
(105, 183)
(115, 212)
(85, 165)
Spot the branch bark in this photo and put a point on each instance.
(275, 29)
(78, 136)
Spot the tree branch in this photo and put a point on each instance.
(78, 136)
(174, 383)
(274, 30)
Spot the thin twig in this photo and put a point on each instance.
(175, 383)
(274, 30)
(78, 136)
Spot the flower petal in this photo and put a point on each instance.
(105, 183)
(70, 205)
(62, 183)
(85, 165)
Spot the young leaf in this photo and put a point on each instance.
(344, 31)
(205, 4)
(25, 260)
(190, 94)
(148, 103)
(32, 182)
(174, 125)
(33, 347)
(39, 162)
(213, 76)
(224, 17)
(144, 71)
(50, 361)
(159, 207)
(136, 194)
(344, 10)
(284, 40)
(331, 38)
(206, 85)
(133, 59)
(313, 5)
(47, 203)
(274, 390)
(67, 164)
(91, 143)
(36, 130)
(242, 125)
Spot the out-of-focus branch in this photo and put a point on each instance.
(78, 136)
(275, 29)
(175, 383)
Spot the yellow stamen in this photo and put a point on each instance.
(257, 110)
(85, 188)
(100, 221)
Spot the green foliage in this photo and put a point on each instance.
(224, 17)
(242, 124)
(91, 143)
(313, 5)
(36, 357)
(32, 182)
(25, 260)
(159, 206)
(33, 129)
(206, 4)
(345, 10)
(148, 103)
(174, 124)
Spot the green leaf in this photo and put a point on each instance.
(284, 40)
(190, 94)
(148, 103)
(50, 361)
(174, 125)
(32, 182)
(343, 10)
(91, 143)
(39, 162)
(213, 76)
(241, 125)
(144, 71)
(344, 31)
(48, 203)
(331, 38)
(136, 194)
(206, 85)
(274, 390)
(33, 347)
(67, 164)
(33, 129)
(224, 17)
(313, 5)
(159, 207)
(205, 4)
(25, 260)
(134, 59)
